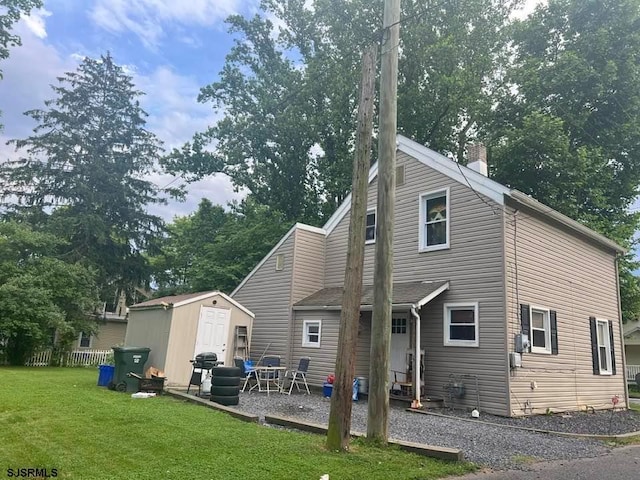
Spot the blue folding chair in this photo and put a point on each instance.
(247, 371)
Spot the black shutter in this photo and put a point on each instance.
(594, 346)
(524, 319)
(554, 332)
(613, 352)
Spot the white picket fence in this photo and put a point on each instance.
(77, 358)
(632, 371)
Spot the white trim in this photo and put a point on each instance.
(432, 295)
(301, 226)
(607, 345)
(447, 307)
(373, 210)
(307, 344)
(547, 329)
(212, 294)
(345, 206)
(423, 197)
(446, 166)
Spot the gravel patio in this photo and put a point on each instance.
(490, 445)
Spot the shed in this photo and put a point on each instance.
(178, 327)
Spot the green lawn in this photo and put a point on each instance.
(58, 418)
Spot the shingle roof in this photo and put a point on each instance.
(408, 293)
(171, 299)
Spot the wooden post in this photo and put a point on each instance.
(338, 434)
(378, 405)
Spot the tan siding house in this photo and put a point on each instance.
(469, 256)
(109, 334)
(632, 347)
(178, 327)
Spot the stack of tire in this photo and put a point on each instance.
(225, 385)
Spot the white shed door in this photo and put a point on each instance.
(213, 331)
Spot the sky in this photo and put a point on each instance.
(171, 48)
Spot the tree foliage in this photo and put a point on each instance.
(86, 162)
(213, 249)
(40, 293)
(289, 94)
(567, 127)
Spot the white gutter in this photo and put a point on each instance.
(416, 361)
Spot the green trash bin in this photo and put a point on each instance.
(128, 359)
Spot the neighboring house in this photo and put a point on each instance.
(112, 327)
(631, 332)
(477, 264)
(178, 327)
(111, 331)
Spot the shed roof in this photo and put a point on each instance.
(404, 294)
(173, 301)
(170, 299)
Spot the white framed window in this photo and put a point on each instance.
(434, 221)
(461, 324)
(84, 340)
(279, 262)
(311, 333)
(604, 347)
(370, 229)
(540, 334)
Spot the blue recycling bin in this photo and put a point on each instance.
(106, 375)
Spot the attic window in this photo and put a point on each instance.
(399, 175)
(279, 262)
(370, 229)
(434, 221)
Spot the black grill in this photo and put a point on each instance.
(203, 362)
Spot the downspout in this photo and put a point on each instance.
(416, 360)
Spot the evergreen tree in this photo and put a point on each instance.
(86, 162)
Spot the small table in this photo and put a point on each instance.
(265, 371)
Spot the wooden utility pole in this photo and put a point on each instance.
(378, 407)
(339, 431)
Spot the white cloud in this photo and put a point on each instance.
(28, 74)
(148, 19)
(171, 101)
(36, 23)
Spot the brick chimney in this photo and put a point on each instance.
(477, 158)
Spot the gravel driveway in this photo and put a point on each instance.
(493, 446)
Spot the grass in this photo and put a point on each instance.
(58, 418)
(524, 459)
(634, 391)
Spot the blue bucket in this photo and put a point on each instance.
(106, 375)
(327, 389)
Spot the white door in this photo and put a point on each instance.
(399, 347)
(213, 331)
